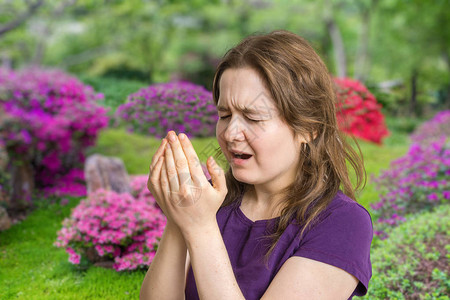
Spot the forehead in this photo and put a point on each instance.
(243, 90)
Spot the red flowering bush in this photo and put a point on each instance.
(358, 112)
(50, 118)
(124, 228)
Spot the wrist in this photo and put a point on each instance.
(173, 231)
(193, 235)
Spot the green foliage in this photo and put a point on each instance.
(404, 125)
(413, 261)
(115, 90)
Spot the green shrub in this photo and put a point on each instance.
(115, 90)
(413, 262)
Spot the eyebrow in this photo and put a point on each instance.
(244, 109)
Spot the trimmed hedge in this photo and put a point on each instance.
(413, 262)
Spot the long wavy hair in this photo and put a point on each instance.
(303, 91)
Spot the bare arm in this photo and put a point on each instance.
(211, 265)
(165, 278)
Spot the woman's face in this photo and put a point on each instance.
(259, 132)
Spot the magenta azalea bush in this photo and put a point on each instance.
(124, 228)
(358, 112)
(433, 129)
(49, 119)
(415, 182)
(179, 106)
(72, 183)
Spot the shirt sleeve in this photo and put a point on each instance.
(342, 239)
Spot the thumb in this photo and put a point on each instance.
(217, 175)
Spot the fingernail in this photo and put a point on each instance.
(168, 146)
(181, 136)
(172, 137)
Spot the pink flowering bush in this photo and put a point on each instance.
(358, 112)
(50, 118)
(415, 182)
(179, 106)
(124, 228)
(433, 129)
(72, 183)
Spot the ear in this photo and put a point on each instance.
(303, 138)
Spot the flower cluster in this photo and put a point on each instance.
(125, 228)
(415, 182)
(49, 118)
(73, 184)
(179, 106)
(358, 112)
(433, 129)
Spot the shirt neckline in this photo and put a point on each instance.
(246, 220)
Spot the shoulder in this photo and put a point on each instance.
(342, 238)
(344, 211)
(343, 221)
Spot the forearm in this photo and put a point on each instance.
(165, 278)
(211, 266)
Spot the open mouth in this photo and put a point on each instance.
(241, 156)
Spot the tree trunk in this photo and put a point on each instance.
(32, 8)
(336, 39)
(447, 97)
(22, 185)
(362, 54)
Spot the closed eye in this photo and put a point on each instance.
(226, 117)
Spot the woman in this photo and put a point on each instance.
(276, 225)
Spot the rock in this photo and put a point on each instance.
(108, 173)
(5, 221)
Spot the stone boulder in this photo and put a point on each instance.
(105, 172)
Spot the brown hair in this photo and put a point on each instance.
(302, 89)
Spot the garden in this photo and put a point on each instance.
(78, 131)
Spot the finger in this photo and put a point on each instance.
(195, 167)
(181, 163)
(153, 182)
(171, 170)
(158, 154)
(164, 180)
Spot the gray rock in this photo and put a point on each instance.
(105, 172)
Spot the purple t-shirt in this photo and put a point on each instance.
(342, 238)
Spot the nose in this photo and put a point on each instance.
(235, 130)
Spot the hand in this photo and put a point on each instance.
(153, 183)
(189, 198)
